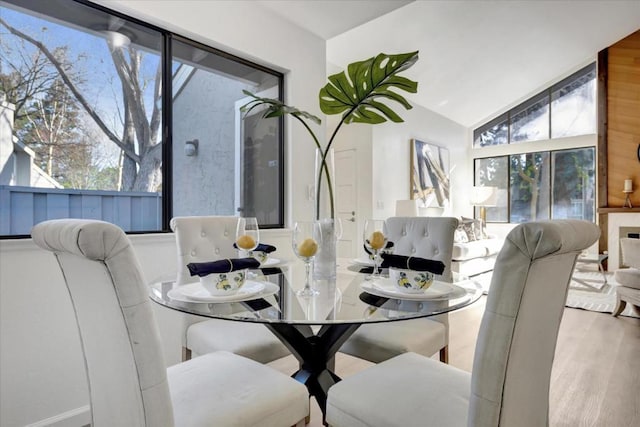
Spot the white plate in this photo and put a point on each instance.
(195, 292)
(385, 287)
(363, 261)
(271, 262)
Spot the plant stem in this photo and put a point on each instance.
(323, 169)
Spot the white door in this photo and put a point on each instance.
(346, 201)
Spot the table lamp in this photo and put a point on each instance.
(407, 207)
(483, 197)
(628, 189)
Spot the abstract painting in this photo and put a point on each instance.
(429, 173)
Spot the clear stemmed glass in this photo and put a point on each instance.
(306, 242)
(374, 240)
(247, 234)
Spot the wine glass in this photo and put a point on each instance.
(247, 234)
(306, 241)
(374, 240)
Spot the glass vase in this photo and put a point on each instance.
(324, 266)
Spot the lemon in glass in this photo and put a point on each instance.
(308, 248)
(246, 242)
(376, 241)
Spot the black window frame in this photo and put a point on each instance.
(167, 108)
(579, 75)
(551, 171)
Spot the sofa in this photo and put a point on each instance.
(474, 251)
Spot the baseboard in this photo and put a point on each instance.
(74, 418)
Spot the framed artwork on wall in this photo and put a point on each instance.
(429, 173)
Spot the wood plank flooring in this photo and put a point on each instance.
(595, 380)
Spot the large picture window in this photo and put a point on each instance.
(118, 120)
(536, 185)
(542, 185)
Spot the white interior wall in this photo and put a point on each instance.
(391, 159)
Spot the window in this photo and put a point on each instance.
(529, 187)
(567, 108)
(495, 132)
(573, 104)
(573, 184)
(536, 186)
(530, 120)
(88, 112)
(494, 172)
(206, 102)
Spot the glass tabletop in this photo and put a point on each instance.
(349, 299)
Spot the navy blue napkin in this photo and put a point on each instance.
(221, 266)
(413, 263)
(262, 247)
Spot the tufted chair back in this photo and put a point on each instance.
(120, 340)
(425, 237)
(202, 239)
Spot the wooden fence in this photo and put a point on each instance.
(23, 207)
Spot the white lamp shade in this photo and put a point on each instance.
(484, 196)
(407, 207)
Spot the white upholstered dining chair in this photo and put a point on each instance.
(129, 384)
(425, 237)
(509, 383)
(209, 238)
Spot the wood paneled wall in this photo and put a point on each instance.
(623, 117)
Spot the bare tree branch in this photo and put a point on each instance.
(70, 84)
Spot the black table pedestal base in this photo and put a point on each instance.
(315, 353)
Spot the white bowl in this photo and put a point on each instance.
(224, 283)
(411, 281)
(260, 256)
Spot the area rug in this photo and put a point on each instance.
(593, 299)
(598, 296)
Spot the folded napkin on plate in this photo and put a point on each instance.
(413, 263)
(221, 266)
(262, 247)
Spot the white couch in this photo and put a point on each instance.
(476, 257)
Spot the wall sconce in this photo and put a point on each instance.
(191, 148)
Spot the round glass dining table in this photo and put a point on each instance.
(314, 328)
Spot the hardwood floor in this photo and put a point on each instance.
(595, 380)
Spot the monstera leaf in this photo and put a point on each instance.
(357, 92)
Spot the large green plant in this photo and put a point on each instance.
(360, 94)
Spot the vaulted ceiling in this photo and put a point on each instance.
(477, 58)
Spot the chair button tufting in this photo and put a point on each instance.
(404, 233)
(413, 250)
(217, 251)
(436, 251)
(226, 233)
(193, 253)
(203, 234)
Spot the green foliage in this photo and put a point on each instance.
(357, 91)
(356, 94)
(275, 108)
